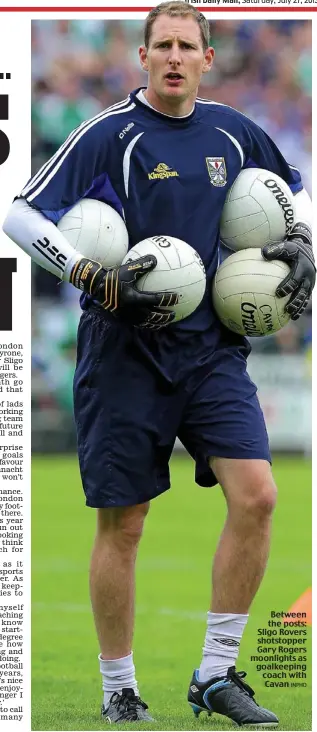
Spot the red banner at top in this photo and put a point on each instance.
(247, 5)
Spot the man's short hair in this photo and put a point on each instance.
(176, 8)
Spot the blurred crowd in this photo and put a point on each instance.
(263, 68)
(79, 67)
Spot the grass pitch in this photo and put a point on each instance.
(173, 576)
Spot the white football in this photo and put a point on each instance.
(243, 293)
(96, 231)
(179, 269)
(259, 210)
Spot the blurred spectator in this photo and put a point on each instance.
(264, 68)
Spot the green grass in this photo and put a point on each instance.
(172, 597)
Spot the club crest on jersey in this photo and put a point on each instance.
(162, 172)
(217, 171)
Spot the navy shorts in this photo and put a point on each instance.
(128, 414)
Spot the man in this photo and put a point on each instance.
(137, 388)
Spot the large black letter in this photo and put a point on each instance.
(4, 142)
(7, 267)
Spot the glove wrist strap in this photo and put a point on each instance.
(86, 275)
(301, 230)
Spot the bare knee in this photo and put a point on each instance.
(249, 488)
(260, 497)
(123, 525)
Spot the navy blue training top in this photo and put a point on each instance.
(164, 175)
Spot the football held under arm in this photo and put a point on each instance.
(53, 190)
(41, 239)
(78, 168)
(296, 249)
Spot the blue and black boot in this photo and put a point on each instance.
(230, 696)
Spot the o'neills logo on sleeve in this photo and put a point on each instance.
(283, 201)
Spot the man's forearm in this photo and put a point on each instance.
(41, 239)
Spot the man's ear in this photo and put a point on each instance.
(209, 59)
(143, 58)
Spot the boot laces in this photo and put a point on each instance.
(128, 704)
(236, 677)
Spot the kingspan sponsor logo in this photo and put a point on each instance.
(283, 202)
(162, 172)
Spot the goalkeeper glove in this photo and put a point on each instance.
(116, 291)
(297, 251)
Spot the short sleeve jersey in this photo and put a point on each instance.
(165, 175)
